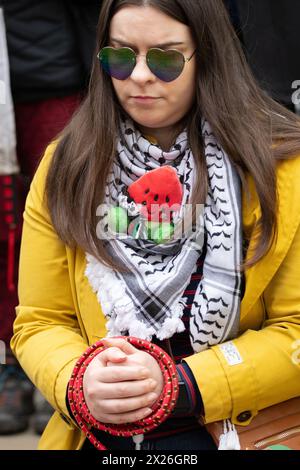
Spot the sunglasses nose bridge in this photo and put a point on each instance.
(141, 64)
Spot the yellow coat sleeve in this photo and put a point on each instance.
(270, 369)
(47, 339)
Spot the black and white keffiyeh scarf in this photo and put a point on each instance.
(149, 300)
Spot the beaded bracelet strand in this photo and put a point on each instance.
(162, 408)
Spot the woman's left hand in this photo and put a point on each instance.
(136, 356)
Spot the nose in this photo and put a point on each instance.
(141, 72)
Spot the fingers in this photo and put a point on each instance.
(126, 417)
(127, 404)
(120, 343)
(127, 389)
(123, 373)
(113, 354)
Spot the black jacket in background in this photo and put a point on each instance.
(231, 6)
(271, 37)
(50, 46)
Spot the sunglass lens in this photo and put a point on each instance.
(166, 65)
(118, 63)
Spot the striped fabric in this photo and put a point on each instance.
(179, 347)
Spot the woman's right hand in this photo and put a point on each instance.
(118, 394)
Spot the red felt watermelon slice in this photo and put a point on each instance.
(159, 191)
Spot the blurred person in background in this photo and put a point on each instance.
(50, 46)
(270, 31)
(233, 11)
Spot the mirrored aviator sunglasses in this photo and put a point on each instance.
(119, 63)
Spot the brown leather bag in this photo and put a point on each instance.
(278, 425)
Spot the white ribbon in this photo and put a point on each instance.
(229, 440)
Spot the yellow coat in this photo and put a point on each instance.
(59, 315)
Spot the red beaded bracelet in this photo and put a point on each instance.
(160, 410)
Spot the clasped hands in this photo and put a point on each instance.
(121, 383)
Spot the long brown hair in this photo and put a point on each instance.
(245, 120)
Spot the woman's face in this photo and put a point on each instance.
(142, 28)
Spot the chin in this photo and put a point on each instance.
(146, 121)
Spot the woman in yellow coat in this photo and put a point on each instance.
(232, 148)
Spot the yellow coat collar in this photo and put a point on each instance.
(288, 190)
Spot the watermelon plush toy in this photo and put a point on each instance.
(160, 193)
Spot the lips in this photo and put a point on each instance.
(144, 101)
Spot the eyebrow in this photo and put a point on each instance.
(166, 44)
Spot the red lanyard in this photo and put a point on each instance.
(161, 410)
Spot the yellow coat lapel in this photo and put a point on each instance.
(288, 188)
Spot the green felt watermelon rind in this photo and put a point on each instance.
(117, 220)
(158, 232)
(163, 233)
(278, 447)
